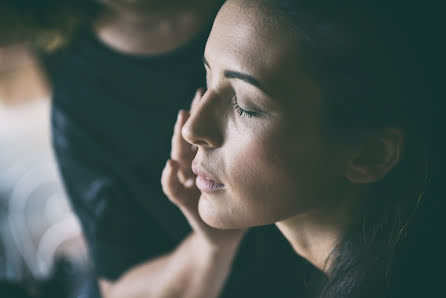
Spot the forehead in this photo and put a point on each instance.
(250, 39)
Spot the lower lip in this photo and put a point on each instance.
(208, 185)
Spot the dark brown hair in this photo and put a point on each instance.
(365, 58)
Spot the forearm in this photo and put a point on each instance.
(193, 269)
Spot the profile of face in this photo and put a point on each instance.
(262, 156)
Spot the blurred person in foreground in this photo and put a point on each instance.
(120, 70)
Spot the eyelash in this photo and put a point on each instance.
(240, 111)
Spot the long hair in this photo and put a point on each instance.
(364, 58)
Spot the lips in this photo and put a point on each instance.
(205, 182)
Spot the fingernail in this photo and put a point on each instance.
(189, 182)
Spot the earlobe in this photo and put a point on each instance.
(376, 157)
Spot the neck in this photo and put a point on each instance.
(155, 29)
(314, 235)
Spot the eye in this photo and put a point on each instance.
(240, 111)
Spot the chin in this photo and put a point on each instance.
(213, 216)
(210, 215)
(217, 217)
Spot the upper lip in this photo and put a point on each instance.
(200, 171)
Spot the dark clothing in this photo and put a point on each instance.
(112, 121)
(10, 289)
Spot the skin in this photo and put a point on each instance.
(152, 27)
(263, 144)
(276, 163)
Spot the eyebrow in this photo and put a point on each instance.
(230, 74)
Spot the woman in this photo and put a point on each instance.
(308, 122)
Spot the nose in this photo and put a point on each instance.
(204, 126)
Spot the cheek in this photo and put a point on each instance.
(278, 173)
(268, 177)
(271, 174)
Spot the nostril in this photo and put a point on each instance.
(199, 142)
(194, 135)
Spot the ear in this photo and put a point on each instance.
(376, 157)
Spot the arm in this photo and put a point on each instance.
(192, 270)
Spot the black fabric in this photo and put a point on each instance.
(13, 290)
(267, 266)
(112, 121)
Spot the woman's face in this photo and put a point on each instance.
(261, 154)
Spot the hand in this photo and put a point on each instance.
(178, 183)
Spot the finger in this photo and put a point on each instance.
(184, 198)
(178, 193)
(182, 151)
(197, 97)
(186, 177)
(190, 182)
(168, 183)
(183, 176)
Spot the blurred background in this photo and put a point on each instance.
(40, 237)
